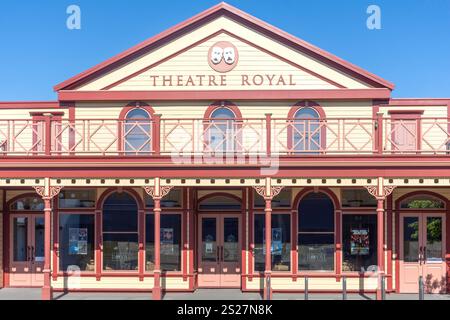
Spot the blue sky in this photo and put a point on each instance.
(37, 51)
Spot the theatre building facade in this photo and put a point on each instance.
(225, 153)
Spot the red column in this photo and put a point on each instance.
(380, 244)
(157, 272)
(268, 268)
(47, 288)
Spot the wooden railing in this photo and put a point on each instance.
(215, 137)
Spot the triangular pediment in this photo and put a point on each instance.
(224, 50)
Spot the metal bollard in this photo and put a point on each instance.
(306, 288)
(421, 291)
(269, 288)
(344, 288)
(383, 287)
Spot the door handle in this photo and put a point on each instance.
(218, 254)
(424, 255)
(32, 254)
(222, 254)
(420, 255)
(28, 253)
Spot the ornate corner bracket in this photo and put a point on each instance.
(386, 191)
(268, 192)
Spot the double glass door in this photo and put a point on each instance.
(422, 252)
(26, 250)
(219, 255)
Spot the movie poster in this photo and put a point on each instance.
(78, 238)
(359, 242)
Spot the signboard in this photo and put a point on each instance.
(78, 238)
(359, 242)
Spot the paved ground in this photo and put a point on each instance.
(204, 294)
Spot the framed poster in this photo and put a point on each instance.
(167, 235)
(359, 242)
(277, 241)
(78, 238)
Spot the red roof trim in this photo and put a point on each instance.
(419, 102)
(29, 105)
(214, 95)
(235, 13)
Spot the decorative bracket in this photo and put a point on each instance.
(47, 192)
(268, 192)
(386, 191)
(157, 192)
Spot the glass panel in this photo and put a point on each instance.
(221, 131)
(316, 213)
(357, 198)
(39, 236)
(220, 203)
(231, 239)
(120, 251)
(76, 242)
(172, 200)
(120, 213)
(434, 239)
(306, 135)
(28, 204)
(20, 239)
(209, 239)
(359, 236)
(316, 252)
(422, 202)
(283, 200)
(170, 242)
(411, 239)
(281, 242)
(137, 131)
(77, 199)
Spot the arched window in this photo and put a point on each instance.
(422, 202)
(28, 204)
(219, 203)
(221, 130)
(137, 134)
(316, 233)
(307, 130)
(120, 232)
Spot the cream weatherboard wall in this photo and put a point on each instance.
(221, 27)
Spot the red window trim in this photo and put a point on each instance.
(408, 115)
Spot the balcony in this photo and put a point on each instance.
(218, 137)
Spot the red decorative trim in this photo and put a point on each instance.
(98, 244)
(251, 232)
(141, 238)
(184, 228)
(30, 105)
(323, 94)
(110, 191)
(235, 14)
(294, 241)
(55, 259)
(223, 104)
(220, 194)
(304, 192)
(389, 241)
(5, 255)
(418, 102)
(338, 243)
(245, 192)
(404, 112)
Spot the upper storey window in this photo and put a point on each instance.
(307, 131)
(137, 132)
(221, 130)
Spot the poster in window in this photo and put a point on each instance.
(277, 243)
(78, 238)
(359, 242)
(166, 235)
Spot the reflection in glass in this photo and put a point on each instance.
(137, 132)
(170, 238)
(39, 236)
(281, 242)
(306, 130)
(20, 239)
(209, 239)
(120, 251)
(231, 240)
(221, 131)
(77, 199)
(316, 252)
(76, 241)
(434, 239)
(28, 204)
(411, 239)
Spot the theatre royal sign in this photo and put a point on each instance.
(222, 57)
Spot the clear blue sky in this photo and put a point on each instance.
(37, 51)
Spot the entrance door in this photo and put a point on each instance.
(219, 246)
(422, 252)
(27, 250)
